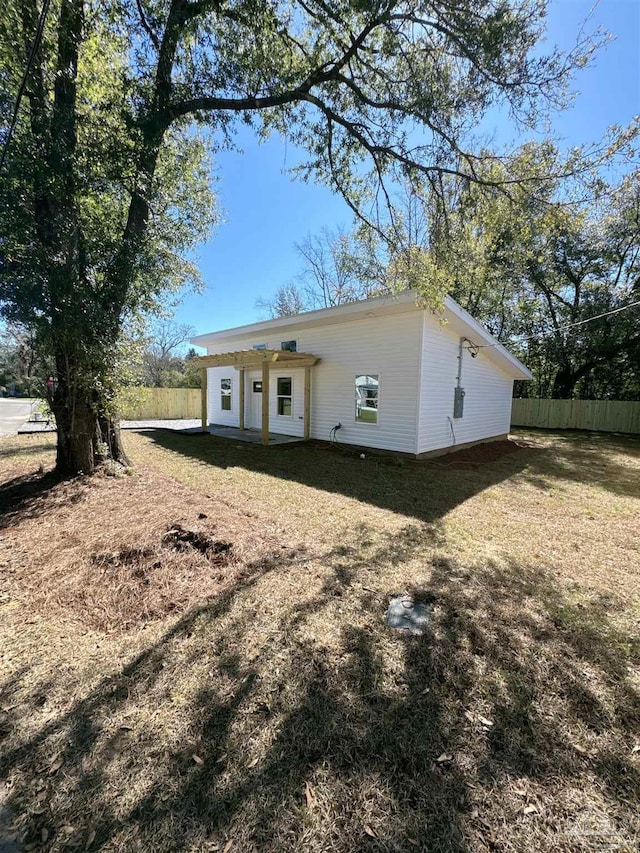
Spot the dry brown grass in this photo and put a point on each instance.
(163, 699)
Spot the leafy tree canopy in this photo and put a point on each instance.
(540, 264)
(537, 264)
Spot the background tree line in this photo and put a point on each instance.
(536, 264)
(23, 372)
(157, 356)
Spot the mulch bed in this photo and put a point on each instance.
(112, 552)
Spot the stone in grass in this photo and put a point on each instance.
(405, 614)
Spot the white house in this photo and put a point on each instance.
(382, 373)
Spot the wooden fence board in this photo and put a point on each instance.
(600, 415)
(146, 404)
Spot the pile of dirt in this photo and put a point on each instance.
(182, 540)
(479, 454)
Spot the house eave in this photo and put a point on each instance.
(472, 326)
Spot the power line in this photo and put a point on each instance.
(560, 328)
(37, 40)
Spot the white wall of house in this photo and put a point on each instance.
(217, 415)
(415, 357)
(386, 346)
(488, 391)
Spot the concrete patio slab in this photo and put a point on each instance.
(186, 425)
(252, 436)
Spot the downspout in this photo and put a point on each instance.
(460, 352)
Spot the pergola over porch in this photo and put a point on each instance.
(266, 360)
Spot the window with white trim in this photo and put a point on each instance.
(367, 398)
(225, 395)
(289, 346)
(285, 396)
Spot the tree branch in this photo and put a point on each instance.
(146, 26)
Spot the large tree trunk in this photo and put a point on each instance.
(567, 378)
(563, 384)
(75, 423)
(110, 439)
(87, 437)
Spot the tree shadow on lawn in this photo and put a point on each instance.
(424, 489)
(419, 489)
(10, 451)
(33, 495)
(293, 738)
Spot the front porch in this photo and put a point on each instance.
(251, 436)
(264, 360)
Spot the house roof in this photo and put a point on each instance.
(456, 317)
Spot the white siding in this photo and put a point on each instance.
(488, 391)
(388, 346)
(214, 405)
(285, 425)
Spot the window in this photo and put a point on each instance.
(225, 395)
(289, 346)
(259, 346)
(367, 399)
(284, 396)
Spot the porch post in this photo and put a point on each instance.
(307, 403)
(203, 400)
(265, 402)
(241, 399)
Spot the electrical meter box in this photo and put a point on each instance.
(458, 402)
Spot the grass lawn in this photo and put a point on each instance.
(194, 657)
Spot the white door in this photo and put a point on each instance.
(255, 398)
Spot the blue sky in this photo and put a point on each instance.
(265, 213)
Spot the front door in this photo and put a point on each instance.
(255, 407)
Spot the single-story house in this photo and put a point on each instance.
(383, 373)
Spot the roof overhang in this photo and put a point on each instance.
(463, 323)
(251, 358)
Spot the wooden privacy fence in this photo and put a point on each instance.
(603, 415)
(146, 404)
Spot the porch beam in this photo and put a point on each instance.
(265, 404)
(256, 358)
(307, 403)
(309, 361)
(241, 399)
(203, 401)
